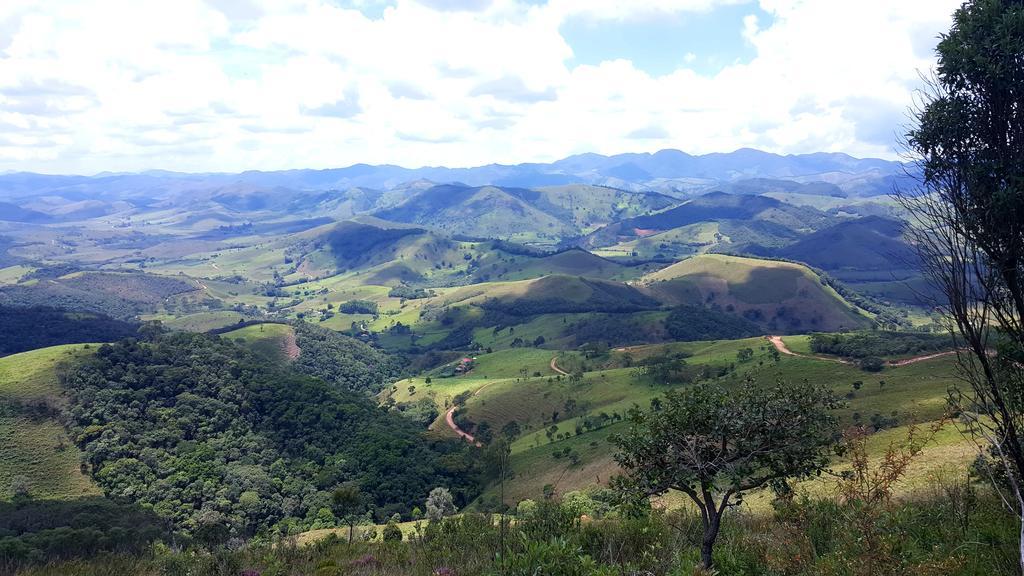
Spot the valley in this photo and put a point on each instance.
(233, 363)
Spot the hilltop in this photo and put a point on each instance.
(715, 220)
(779, 296)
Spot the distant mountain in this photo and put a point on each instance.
(667, 170)
(14, 213)
(485, 211)
(545, 215)
(734, 219)
(871, 243)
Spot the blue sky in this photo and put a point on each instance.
(702, 41)
(268, 84)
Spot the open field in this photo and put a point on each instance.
(33, 445)
(551, 411)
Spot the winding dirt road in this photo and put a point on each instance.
(783, 349)
(449, 417)
(554, 366)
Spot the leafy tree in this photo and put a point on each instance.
(967, 218)
(872, 364)
(348, 503)
(440, 503)
(714, 446)
(391, 532)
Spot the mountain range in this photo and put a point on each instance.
(666, 170)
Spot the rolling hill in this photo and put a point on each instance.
(871, 243)
(33, 444)
(486, 211)
(540, 216)
(714, 220)
(779, 296)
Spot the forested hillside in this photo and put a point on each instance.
(24, 329)
(224, 444)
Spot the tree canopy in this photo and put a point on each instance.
(713, 445)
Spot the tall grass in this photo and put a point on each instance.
(951, 527)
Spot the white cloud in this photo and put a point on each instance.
(98, 85)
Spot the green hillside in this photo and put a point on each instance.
(273, 342)
(588, 207)
(780, 296)
(486, 212)
(742, 221)
(34, 448)
(563, 424)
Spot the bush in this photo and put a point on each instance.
(872, 364)
(391, 532)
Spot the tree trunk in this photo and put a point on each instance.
(1020, 542)
(710, 535)
(351, 527)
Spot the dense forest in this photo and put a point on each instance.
(24, 329)
(225, 445)
(343, 360)
(46, 530)
(690, 323)
(879, 344)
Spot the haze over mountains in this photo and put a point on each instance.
(666, 170)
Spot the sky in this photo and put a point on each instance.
(89, 86)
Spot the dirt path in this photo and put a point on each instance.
(917, 359)
(554, 366)
(291, 348)
(783, 349)
(449, 417)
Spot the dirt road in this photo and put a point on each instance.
(449, 417)
(783, 349)
(554, 366)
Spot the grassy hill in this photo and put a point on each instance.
(275, 342)
(713, 221)
(486, 212)
(33, 443)
(780, 296)
(871, 243)
(588, 207)
(870, 254)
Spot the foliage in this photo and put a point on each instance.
(223, 444)
(691, 323)
(714, 446)
(36, 531)
(879, 343)
(967, 221)
(342, 360)
(440, 503)
(358, 307)
(804, 537)
(408, 293)
(24, 329)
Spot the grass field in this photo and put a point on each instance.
(898, 396)
(782, 296)
(36, 447)
(270, 341)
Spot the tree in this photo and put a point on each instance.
(966, 219)
(391, 532)
(714, 446)
(440, 504)
(348, 504)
